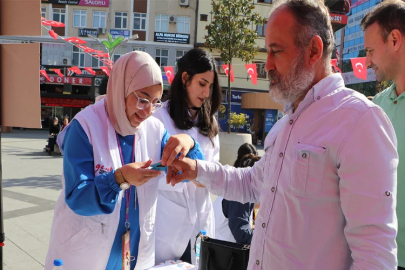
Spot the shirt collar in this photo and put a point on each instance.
(322, 89)
(392, 93)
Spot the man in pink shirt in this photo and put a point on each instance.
(327, 182)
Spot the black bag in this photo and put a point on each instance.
(222, 255)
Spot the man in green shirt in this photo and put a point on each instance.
(384, 42)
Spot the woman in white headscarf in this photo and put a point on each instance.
(107, 207)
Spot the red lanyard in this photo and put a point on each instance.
(128, 191)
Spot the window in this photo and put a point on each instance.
(118, 52)
(203, 17)
(139, 49)
(162, 23)
(139, 21)
(162, 58)
(79, 18)
(78, 57)
(265, 1)
(99, 19)
(219, 66)
(179, 54)
(261, 72)
(59, 15)
(121, 20)
(43, 12)
(95, 63)
(261, 29)
(183, 25)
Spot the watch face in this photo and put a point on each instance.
(125, 186)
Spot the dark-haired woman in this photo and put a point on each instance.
(184, 210)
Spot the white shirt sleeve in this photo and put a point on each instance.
(235, 184)
(367, 167)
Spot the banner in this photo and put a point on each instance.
(169, 74)
(226, 69)
(359, 67)
(252, 71)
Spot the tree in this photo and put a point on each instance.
(238, 120)
(229, 33)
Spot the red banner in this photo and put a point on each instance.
(75, 40)
(226, 69)
(65, 102)
(43, 73)
(169, 74)
(359, 67)
(76, 70)
(53, 23)
(252, 71)
(69, 80)
(57, 71)
(89, 69)
(53, 34)
(106, 70)
(333, 62)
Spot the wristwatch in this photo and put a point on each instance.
(120, 180)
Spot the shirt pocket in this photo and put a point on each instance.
(307, 169)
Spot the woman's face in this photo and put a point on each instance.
(199, 88)
(65, 121)
(134, 114)
(55, 122)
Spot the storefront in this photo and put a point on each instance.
(64, 96)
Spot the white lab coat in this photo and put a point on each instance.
(82, 242)
(183, 210)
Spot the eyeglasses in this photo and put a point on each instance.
(144, 103)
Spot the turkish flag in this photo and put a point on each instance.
(75, 40)
(89, 69)
(359, 67)
(101, 55)
(43, 73)
(106, 70)
(226, 69)
(57, 71)
(333, 62)
(169, 74)
(53, 34)
(75, 70)
(53, 23)
(107, 61)
(252, 71)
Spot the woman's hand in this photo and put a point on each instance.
(137, 173)
(181, 143)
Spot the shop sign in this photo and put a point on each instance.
(65, 102)
(236, 96)
(338, 18)
(83, 32)
(270, 120)
(355, 19)
(69, 80)
(119, 33)
(172, 38)
(93, 3)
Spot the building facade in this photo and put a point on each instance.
(349, 42)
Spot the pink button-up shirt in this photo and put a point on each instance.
(326, 185)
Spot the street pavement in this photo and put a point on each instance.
(31, 186)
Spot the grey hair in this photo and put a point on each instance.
(312, 18)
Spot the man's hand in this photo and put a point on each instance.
(181, 143)
(137, 173)
(188, 169)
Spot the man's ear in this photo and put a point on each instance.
(316, 49)
(184, 77)
(395, 39)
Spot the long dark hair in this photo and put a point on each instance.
(195, 61)
(244, 150)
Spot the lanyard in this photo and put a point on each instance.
(128, 191)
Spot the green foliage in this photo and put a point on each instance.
(106, 44)
(116, 42)
(233, 29)
(238, 120)
(232, 32)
